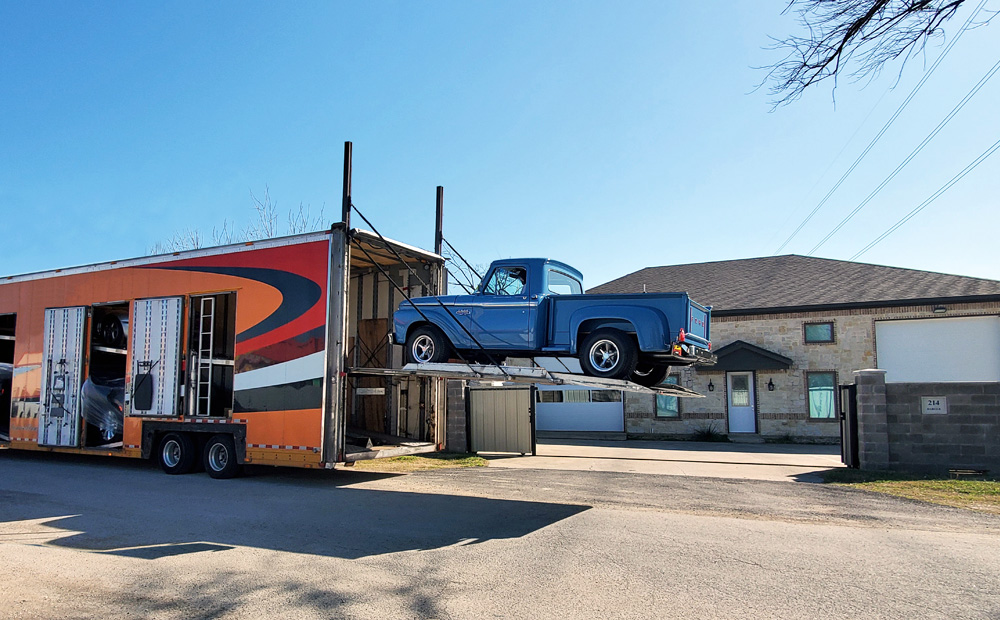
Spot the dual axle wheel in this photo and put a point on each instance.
(178, 454)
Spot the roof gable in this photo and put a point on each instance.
(740, 355)
(781, 283)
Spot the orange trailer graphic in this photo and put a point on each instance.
(221, 356)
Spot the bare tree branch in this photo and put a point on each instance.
(852, 37)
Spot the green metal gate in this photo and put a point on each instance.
(502, 419)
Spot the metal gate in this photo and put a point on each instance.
(502, 419)
(849, 425)
(62, 368)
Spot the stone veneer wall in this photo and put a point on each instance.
(782, 413)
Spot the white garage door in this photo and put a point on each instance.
(928, 350)
(579, 409)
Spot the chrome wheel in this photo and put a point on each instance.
(218, 457)
(604, 355)
(423, 349)
(171, 453)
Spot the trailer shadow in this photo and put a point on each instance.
(122, 508)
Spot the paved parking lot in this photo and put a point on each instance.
(777, 462)
(92, 537)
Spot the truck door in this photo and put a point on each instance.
(155, 344)
(499, 317)
(62, 376)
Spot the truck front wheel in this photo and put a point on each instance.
(608, 353)
(427, 344)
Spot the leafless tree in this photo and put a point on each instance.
(264, 225)
(856, 38)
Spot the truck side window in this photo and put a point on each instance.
(563, 284)
(506, 281)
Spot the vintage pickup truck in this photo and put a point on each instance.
(535, 307)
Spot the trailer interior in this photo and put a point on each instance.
(392, 415)
(7, 324)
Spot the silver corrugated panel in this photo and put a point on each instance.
(155, 344)
(62, 367)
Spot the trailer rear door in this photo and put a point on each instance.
(62, 376)
(155, 342)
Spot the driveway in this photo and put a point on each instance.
(776, 462)
(108, 538)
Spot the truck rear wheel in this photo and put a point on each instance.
(177, 453)
(426, 345)
(220, 457)
(648, 375)
(608, 353)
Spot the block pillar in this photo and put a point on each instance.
(873, 425)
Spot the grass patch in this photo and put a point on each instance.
(974, 494)
(421, 462)
(709, 433)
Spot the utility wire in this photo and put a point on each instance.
(920, 147)
(885, 127)
(955, 179)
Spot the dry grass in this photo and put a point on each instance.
(982, 494)
(421, 462)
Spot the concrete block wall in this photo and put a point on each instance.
(966, 437)
(456, 430)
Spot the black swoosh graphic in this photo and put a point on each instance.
(298, 294)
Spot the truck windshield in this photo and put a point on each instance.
(506, 281)
(563, 284)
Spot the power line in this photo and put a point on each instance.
(955, 179)
(920, 147)
(885, 128)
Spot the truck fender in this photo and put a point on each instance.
(438, 317)
(649, 324)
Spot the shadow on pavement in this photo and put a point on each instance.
(118, 507)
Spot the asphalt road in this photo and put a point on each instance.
(89, 537)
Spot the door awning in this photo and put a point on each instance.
(741, 355)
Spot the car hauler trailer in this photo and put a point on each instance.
(221, 356)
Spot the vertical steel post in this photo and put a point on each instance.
(439, 222)
(335, 381)
(346, 205)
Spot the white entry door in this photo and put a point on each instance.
(740, 393)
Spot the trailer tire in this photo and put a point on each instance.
(177, 453)
(427, 345)
(219, 457)
(609, 354)
(649, 375)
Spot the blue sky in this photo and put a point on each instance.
(612, 136)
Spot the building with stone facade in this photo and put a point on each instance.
(789, 329)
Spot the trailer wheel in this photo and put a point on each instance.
(608, 353)
(177, 453)
(220, 457)
(427, 344)
(648, 375)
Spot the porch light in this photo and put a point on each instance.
(770, 385)
(711, 386)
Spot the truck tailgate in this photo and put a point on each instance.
(697, 323)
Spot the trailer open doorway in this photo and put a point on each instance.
(103, 390)
(8, 323)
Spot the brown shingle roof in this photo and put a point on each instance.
(792, 281)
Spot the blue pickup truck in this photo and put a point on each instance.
(533, 307)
